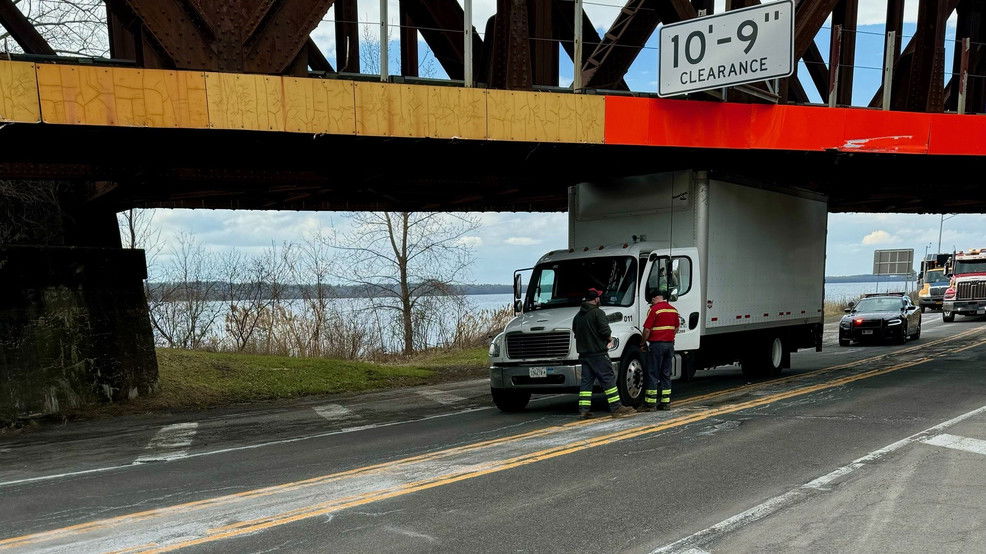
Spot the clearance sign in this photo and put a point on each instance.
(731, 48)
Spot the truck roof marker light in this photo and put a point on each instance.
(600, 247)
(586, 249)
(766, 315)
(715, 319)
(625, 245)
(739, 317)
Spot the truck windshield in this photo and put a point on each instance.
(564, 283)
(969, 266)
(935, 277)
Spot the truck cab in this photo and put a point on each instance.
(966, 293)
(536, 351)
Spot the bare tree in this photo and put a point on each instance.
(403, 258)
(71, 27)
(182, 307)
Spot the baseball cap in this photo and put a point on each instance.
(593, 294)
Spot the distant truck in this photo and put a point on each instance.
(743, 265)
(966, 293)
(933, 281)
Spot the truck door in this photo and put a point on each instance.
(676, 279)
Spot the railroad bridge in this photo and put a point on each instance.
(233, 104)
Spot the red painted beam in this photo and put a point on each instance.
(694, 124)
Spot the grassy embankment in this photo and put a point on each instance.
(192, 380)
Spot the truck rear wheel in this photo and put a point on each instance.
(510, 400)
(631, 377)
(765, 358)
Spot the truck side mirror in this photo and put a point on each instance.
(518, 306)
(517, 285)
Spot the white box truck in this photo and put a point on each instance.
(746, 268)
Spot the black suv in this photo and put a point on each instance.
(880, 317)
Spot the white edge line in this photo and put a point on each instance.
(767, 508)
(258, 445)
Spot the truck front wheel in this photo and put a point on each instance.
(631, 377)
(510, 400)
(765, 358)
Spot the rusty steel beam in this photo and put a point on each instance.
(276, 32)
(971, 24)
(925, 92)
(845, 16)
(610, 61)
(440, 23)
(347, 36)
(409, 42)
(902, 67)
(22, 31)
(565, 28)
(510, 58)
(544, 43)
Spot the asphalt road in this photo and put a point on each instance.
(866, 448)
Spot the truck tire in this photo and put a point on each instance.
(689, 365)
(510, 400)
(923, 308)
(631, 377)
(917, 334)
(765, 358)
(947, 317)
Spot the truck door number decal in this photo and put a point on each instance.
(627, 318)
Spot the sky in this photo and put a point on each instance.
(507, 241)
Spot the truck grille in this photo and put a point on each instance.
(938, 291)
(971, 290)
(538, 345)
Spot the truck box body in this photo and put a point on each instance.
(763, 250)
(745, 265)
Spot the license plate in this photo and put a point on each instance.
(870, 332)
(535, 372)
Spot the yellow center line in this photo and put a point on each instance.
(385, 466)
(252, 526)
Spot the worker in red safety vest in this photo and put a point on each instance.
(657, 339)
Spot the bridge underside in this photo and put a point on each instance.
(126, 167)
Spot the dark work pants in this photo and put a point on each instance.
(597, 366)
(660, 356)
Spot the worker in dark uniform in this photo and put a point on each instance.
(592, 341)
(657, 339)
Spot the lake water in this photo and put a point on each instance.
(834, 292)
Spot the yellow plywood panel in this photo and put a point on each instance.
(591, 122)
(160, 98)
(456, 113)
(544, 117)
(77, 95)
(245, 101)
(122, 97)
(319, 106)
(19, 92)
(392, 110)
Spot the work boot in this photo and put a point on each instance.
(664, 406)
(623, 411)
(646, 408)
(585, 415)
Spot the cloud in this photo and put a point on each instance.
(471, 242)
(879, 237)
(522, 241)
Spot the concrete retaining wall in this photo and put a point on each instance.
(74, 328)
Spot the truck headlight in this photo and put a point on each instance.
(616, 344)
(495, 347)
